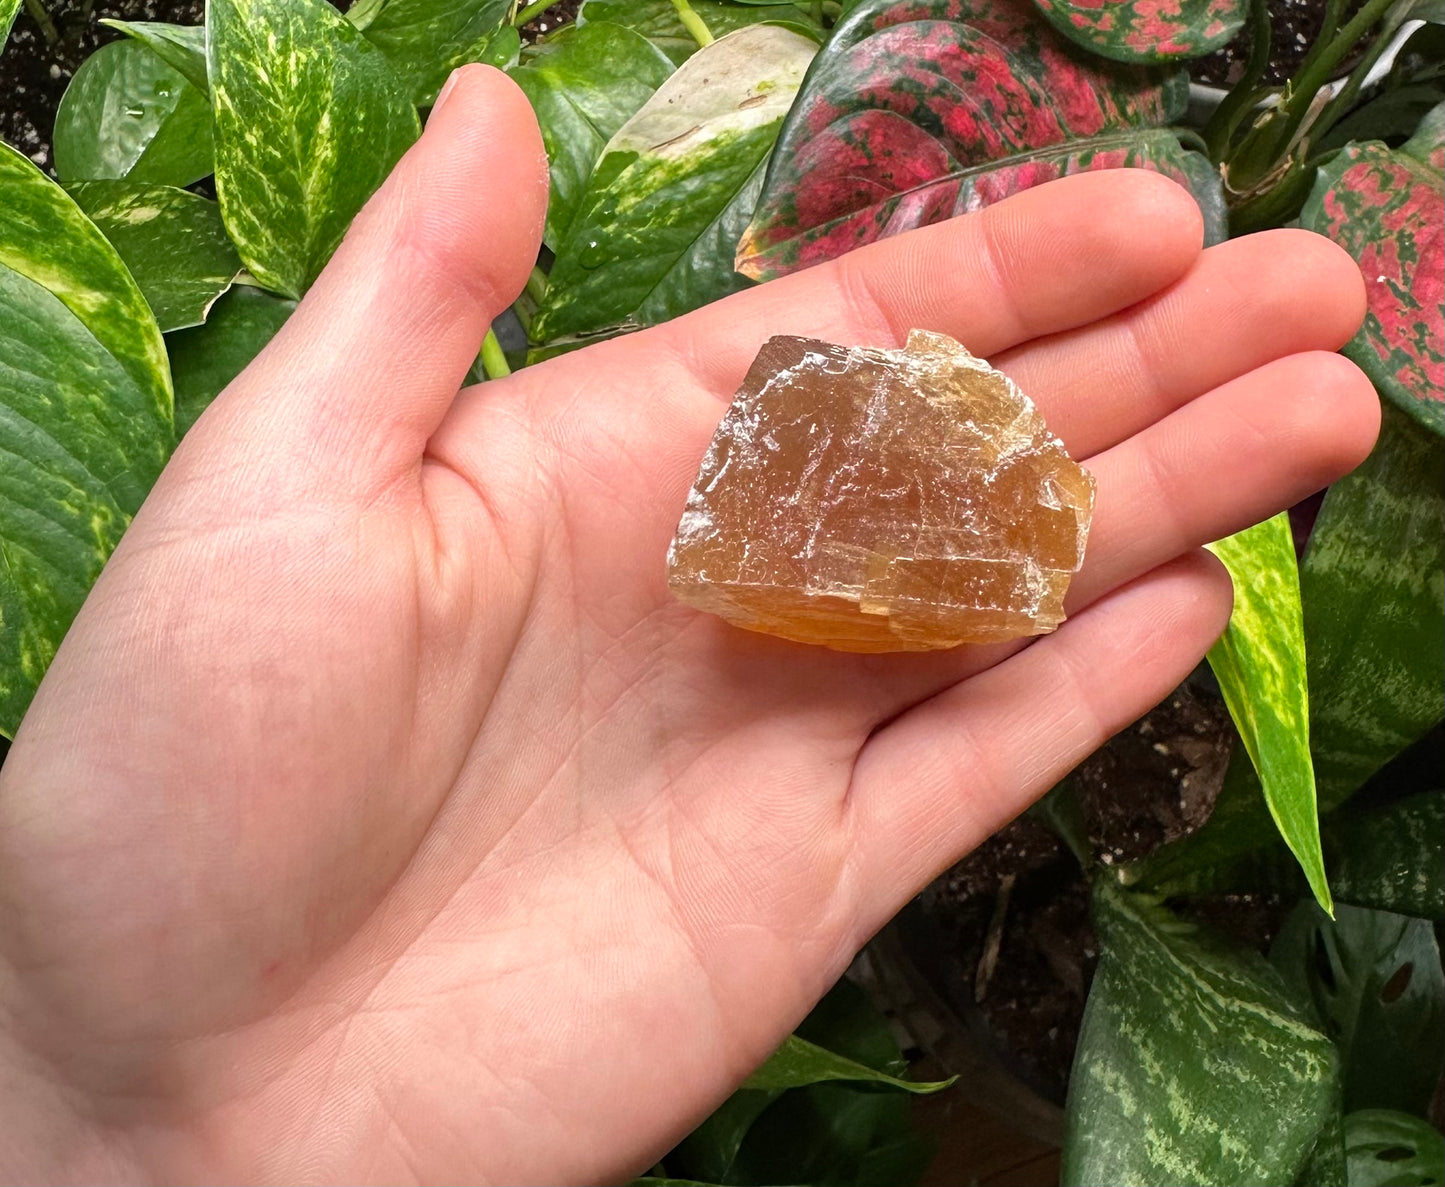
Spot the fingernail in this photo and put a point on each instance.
(446, 90)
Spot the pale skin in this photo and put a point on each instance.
(383, 819)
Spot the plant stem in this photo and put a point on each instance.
(693, 23)
(42, 18)
(1341, 103)
(494, 362)
(1313, 76)
(537, 285)
(1242, 96)
(532, 12)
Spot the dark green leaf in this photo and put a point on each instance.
(172, 241)
(310, 119)
(85, 417)
(1325, 1166)
(708, 1153)
(425, 40)
(1192, 1065)
(643, 244)
(127, 114)
(205, 359)
(1391, 857)
(1140, 31)
(1385, 207)
(657, 20)
(181, 47)
(1384, 1148)
(798, 1063)
(586, 83)
(1374, 980)
(1260, 664)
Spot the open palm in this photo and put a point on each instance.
(383, 818)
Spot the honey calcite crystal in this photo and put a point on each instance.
(882, 500)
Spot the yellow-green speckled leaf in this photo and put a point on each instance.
(8, 9)
(86, 419)
(1260, 664)
(310, 119)
(1193, 1065)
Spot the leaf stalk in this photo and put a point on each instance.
(494, 362)
(694, 24)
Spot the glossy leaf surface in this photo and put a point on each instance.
(798, 1063)
(1260, 664)
(310, 119)
(8, 9)
(1387, 209)
(1145, 30)
(85, 418)
(1374, 980)
(1192, 1065)
(128, 114)
(205, 359)
(1385, 1148)
(1391, 857)
(181, 47)
(920, 110)
(642, 247)
(584, 85)
(172, 241)
(425, 40)
(657, 20)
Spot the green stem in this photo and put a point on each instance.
(1243, 95)
(42, 18)
(1340, 105)
(494, 362)
(532, 12)
(537, 285)
(1314, 75)
(693, 23)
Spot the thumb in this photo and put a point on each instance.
(362, 374)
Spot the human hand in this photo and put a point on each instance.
(382, 817)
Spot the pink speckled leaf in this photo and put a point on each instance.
(1147, 30)
(1387, 209)
(919, 110)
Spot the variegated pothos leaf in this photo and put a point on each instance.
(310, 119)
(919, 110)
(85, 418)
(1147, 30)
(425, 40)
(1260, 664)
(181, 47)
(657, 20)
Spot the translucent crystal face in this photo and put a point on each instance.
(882, 500)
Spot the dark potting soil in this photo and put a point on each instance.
(1005, 935)
(1295, 26)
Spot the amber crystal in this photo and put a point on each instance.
(882, 500)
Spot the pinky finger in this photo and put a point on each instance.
(941, 778)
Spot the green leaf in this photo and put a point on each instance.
(127, 114)
(205, 359)
(8, 9)
(1260, 664)
(641, 243)
(1375, 983)
(425, 40)
(586, 83)
(1385, 207)
(172, 241)
(1140, 31)
(709, 1152)
(85, 418)
(917, 111)
(310, 119)
(1192, 1065)
(657, 20)
(181, 47)
(1384, 1148)
(1391, 857)
(798, 1063)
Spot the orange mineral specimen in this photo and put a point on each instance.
(882, 500)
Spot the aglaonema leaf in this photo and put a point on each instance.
(657, 20)
(1391, 857)
(128, 114)
(642, 246)
(586, 82)
(310, 118)
(1387, 1148)
(1193, 1065)
(1374, 981)
(1145, 31)
(1387, 209)
(1260, 664)
(425, 40)
(172, 241)
(85, 417)
(206, 358)
(181, 47)
(919, 110)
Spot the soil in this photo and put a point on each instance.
(1005, 935)
(1295, 25)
